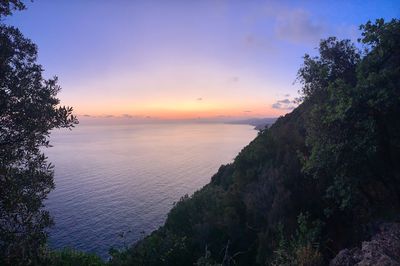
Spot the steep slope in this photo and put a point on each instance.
(243, 203)
(315, 182)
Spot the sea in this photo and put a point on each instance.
(115, 183)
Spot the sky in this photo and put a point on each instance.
(181, 59)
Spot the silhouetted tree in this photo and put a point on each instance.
(29, 109)
(8, 6)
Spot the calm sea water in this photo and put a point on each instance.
(125, 178)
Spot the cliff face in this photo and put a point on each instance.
(382, 249)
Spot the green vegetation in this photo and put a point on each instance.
(29, 109)
(311, 184)
(70, 257)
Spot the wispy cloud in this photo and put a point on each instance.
(127, 116)
(297, 26)
(259, 42)
(285, 101)
(284, 104)
(234, 79)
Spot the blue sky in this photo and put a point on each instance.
(185, 59)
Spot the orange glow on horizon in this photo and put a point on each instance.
(183, 110)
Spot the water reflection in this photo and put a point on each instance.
(116, 178)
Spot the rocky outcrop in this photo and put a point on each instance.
(383, 249)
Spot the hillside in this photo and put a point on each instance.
(315, 182)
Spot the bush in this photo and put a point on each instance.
(71, 257)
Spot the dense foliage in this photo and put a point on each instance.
(29, 109)
(313, 183)
(70, 257)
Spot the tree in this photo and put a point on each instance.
(29, 110)
(353, 128)
(337, 60)
(7, 6)
(306, 187)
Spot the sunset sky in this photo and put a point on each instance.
(185, 59)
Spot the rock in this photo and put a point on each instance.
(345, 257)
(382, 250)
